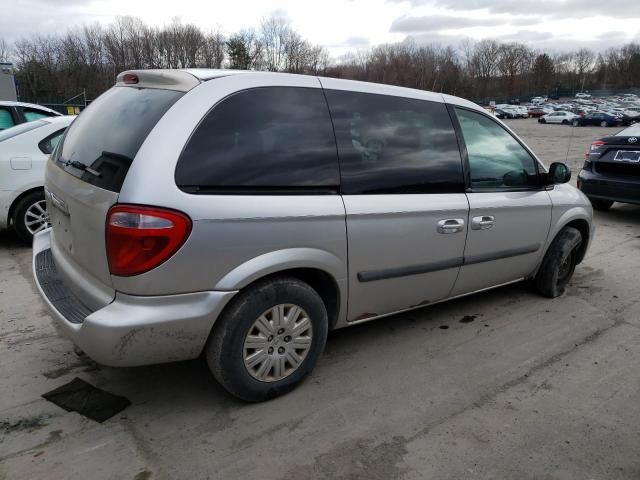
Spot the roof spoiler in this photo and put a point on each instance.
(178, 80)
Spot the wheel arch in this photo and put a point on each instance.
(584, 228)
(577, 217)
(322, 270)
(18, 199)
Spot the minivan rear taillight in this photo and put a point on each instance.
(141, 238)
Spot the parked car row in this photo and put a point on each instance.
(505, 111)
(588, 110)
(616, 110)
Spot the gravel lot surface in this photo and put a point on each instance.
(499, 385)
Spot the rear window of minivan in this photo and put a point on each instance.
(101, 143)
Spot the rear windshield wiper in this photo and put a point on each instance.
(81, 166)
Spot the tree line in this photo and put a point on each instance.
(489, 69)
(89, 58)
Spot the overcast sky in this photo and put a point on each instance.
(348, 25)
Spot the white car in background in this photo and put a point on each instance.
(24, 150)
(564, 118)
(523, 112)
(15, 113)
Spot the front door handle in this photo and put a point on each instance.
(451, 225)
(482, 222)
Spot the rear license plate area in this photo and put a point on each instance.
(632, 156)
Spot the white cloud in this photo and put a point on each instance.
(349, 25)
(437, 23)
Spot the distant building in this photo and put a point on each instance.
(7, 82)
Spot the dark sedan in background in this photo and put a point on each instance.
(597, 118)
(611, 172)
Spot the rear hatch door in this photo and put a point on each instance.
(85, 175)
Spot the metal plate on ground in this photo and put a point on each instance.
(92, 402)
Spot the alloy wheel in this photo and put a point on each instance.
(277, 343)
(36, 217)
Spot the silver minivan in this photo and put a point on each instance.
(243, 215)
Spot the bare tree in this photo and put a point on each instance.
(5, 51)
(212, 52)
(275, 35)
(318, 60)
(584, 59)
(244, 50)
(88, 59)
(512, 61)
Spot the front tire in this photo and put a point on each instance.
(604, 124)
(576, 123)
(30, 216)
(559, 263)
(268, 339)
(565, 122)
(542, 120)
(601, 204)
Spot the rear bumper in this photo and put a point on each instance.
(594, 185)
(131, 330)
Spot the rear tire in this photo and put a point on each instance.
(559, 263)
(253, 348)
(565, 122)
(30, 216)
(600, 204)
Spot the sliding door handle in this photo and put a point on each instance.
(451, 225)
(483, 222)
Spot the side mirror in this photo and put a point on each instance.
(558, 173)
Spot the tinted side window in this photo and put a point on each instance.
(6, 119)
(31, 114)
(392, 144)
(496, 159)
(267, 138)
